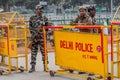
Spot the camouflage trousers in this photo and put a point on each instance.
(34, 50)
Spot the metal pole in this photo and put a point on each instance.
(111, 9)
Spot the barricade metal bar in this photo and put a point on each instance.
(53, 27)
(3, 25)
(81, 26)
(26, 49)
(8, 43)
(12, 17)
(101, 33)
(111, 41)
(45, 62)
(117, 23)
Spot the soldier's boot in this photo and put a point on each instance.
(32, 69)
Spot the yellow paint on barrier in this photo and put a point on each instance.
(80, 51)
(4, 47)
(13, 48)
(68, 26)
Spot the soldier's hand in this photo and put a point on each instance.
(72, 23)
(39, 28)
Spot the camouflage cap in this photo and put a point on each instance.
(82, 8)
(39, 6)
(91, 8)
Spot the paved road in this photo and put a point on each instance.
(39, 74)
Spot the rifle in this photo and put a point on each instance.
(39, 28)
(31, 42)
(34, 40)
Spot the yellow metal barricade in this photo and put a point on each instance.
(81, 51)
(13, 41)
(115, 51)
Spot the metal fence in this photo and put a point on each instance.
(67, 18)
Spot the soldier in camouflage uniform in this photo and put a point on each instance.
(91, 13)
(35, 23)
(83, 19)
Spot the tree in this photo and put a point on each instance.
(54, 1)
(19, 2)
(5, 5)
(30, 4)
(104, 3)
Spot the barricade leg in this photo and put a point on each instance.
(9, 65)
(45, 60)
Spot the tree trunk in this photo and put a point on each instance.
(109, 5)
(6, 7)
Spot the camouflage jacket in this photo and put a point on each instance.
(83, 20)
(35, 22)
(93, 19)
